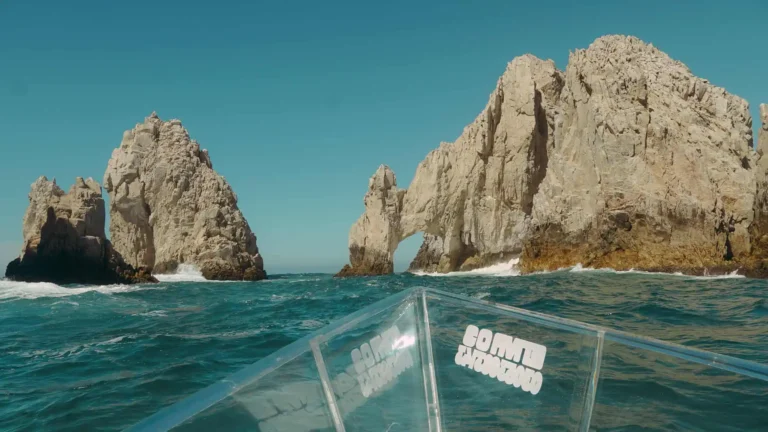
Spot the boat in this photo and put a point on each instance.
(428, 360)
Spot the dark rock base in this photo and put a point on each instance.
(220, 270)
(376, 270)
(66, 268)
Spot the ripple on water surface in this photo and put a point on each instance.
(105, 357)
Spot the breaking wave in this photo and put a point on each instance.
(578, 268)
(184, 273)
(497, 270)
(511, 269)
(33, 290)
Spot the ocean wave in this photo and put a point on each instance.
(184, 273)
(310, 324)
(72, 351)
(153, 314)
(223, 335)
(578, 268)
(12, 290)
(511, 269)
(497, 270)
(304, 280)
(481, 295)
(66, 302)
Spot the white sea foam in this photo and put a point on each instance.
(497, 270)
(33, 290)
(184, 273)
(578, 268)
(310, 324)
(112, 341)
(66, 302)
(73, 350)
(225, 335)
(304, 280)
(511, 269)
(153, 314)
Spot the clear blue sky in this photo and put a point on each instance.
(299, 102)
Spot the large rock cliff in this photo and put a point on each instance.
(64, 239)
(653, 167)
(169, 207)
(626, 160)
(470, 198)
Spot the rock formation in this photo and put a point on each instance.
(626, 160)
(653, 168)
(470, 198)
(375, 235)
(758, 231)
(169, 207)
(64, 239)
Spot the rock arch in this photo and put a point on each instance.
(626, 160)
(471, 198)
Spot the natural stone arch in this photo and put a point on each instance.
(471, 198)
(626, 160)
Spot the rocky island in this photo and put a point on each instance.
(167, 207)
(625, 160)
(64, 239)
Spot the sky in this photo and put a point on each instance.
(298, 102)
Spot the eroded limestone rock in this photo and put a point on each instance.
(64, 239)
(653, 167)
(374, 237)
(169, 207)
(626, 160)
(470, 198)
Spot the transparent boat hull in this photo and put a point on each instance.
(429, 360)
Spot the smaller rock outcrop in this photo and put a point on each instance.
(374, 237)
(64, 239)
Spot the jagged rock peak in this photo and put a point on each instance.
(379, 227)
(653, 167)
(169, 207)
(64, 239)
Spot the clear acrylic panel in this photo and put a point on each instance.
(498, 370)
(429, 360)
(289, 397)
(375, 371)
(658, 390)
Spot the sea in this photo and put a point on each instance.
(102, 358)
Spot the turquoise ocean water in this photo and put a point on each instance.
(103, 358)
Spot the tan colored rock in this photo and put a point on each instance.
(652, 167)
(627, 161)
(169, 207)
(759, 229)
(470, 198)
(64, 239)
(374, 237)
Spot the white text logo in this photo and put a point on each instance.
(489, 354)
(382, 360)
